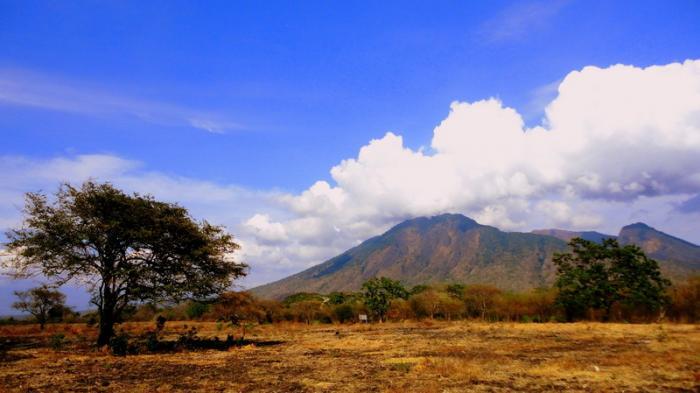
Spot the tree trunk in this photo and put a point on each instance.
(106, 328)
(107, 318)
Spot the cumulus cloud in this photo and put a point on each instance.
(616, 145)
(612, 139)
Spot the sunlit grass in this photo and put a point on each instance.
(391, 357)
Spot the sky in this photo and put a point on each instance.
(307, 127)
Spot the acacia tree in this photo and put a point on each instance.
(40, 302)
(125, 248)
(378, 293)
(597, 276)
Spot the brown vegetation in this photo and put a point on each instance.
(428, 356)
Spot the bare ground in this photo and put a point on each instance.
(391, 357)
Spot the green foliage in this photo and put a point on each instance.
(456, 291)
(378, 293)
(196, 310)
(337, 298)
(596, 277)
(301, 297)
(42, 302)
(129, 247)
(343, 313)
(57, 341)
(418, 289)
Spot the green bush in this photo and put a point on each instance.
(196, 310)
(343, 313)
(58, 340)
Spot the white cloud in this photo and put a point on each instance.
(517, 21)
(23, 88)
(613, 139)
(617, 145)
(265, 230)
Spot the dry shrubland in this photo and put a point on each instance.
(429, 356)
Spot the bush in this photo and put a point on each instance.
(343, 313)
(91, 321)
(119, 344)
(195, 310)
(160, 323)
(151, 342)
(58, 340)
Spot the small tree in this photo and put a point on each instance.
(378, 293)
(480, 299)
(597, 276)
(41, 302)
(124, 247)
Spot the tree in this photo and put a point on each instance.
(378, 293)
(237, 307)
(426, 303)
(456, 291)
(128, 248)
(41, 302)
(685, 300)
(480, 299)
(597, 276)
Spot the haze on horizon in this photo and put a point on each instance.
(307, 128)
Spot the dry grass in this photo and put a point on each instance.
(396, 357)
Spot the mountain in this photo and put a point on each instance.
(454, 248)
(677, 257)
(568, 235)
(445, 248)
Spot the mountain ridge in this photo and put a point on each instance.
(455, 248)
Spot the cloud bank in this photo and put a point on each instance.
(615, 144)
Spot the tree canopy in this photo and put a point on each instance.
(598, 276)
(125, 248)
(40, 302)
(378, 293)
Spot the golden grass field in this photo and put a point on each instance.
(391, 357)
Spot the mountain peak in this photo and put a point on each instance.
(660, 245)
(438, 249)
(637, 225)
(459, 221)
(449, 248)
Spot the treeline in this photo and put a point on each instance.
(442, 302)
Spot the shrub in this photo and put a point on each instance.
(160, 323)
(119, 344)
(57, 341)
(195, 310)
(151, 342)
(343, 313)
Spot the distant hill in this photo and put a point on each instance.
(445, 248)
(677, 257)
(453, 248)
(568, 235)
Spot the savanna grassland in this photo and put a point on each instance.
(390, 357)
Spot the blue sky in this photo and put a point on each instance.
(236, 110)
